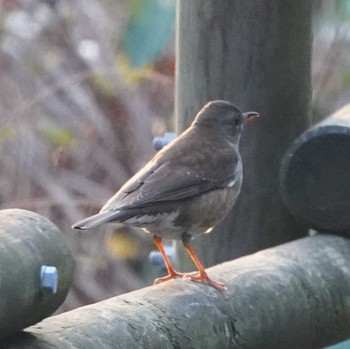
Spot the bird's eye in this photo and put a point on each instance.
(237, 122)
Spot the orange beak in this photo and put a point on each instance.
(250, 116)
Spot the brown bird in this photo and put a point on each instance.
(187, 188)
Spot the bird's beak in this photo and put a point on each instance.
(250, 115)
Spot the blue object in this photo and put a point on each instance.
(149, 29)
(49, 278)
(342, 345)
(160, 142)
(156, 258)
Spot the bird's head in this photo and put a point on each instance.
(224, 117)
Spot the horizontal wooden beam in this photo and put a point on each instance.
(293, 296)
(315, 178)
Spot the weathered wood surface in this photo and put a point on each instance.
(293, 296)
(28, 241)
(315, 174)
(257, 55)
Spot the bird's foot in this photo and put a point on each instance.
(204, 278)
(171, 276)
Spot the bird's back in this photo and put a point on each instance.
(161, 194)
(192, 165)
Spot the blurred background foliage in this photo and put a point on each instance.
(85, 86)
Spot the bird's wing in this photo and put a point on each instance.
(162, 181)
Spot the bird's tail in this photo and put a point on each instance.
(96, 220)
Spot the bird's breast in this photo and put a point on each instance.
(204, 212)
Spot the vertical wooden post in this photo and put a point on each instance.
(256, 54)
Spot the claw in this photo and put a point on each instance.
(172, 276)
(200, 276)
(207, 280)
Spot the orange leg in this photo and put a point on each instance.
(172, 273)
(202, 276)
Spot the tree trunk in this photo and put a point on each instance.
(256, 54)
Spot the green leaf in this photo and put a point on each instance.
(346, 78)
(59, 136)
(6, 132)
(149, 29)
